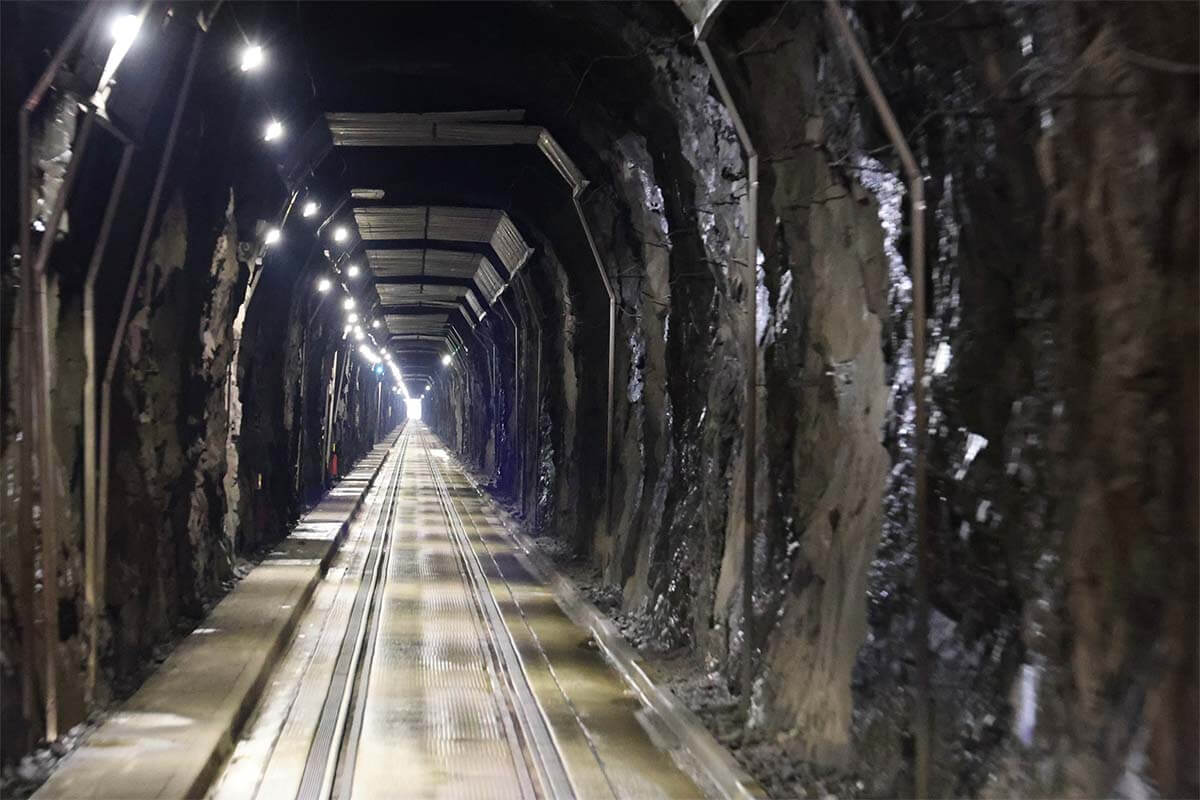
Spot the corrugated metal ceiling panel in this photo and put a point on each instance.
(451, 129)
(396, 222)
(427, 324)
(473, 302)
(394, 263)
(490, 285)
(451, 264)
(454, 224)
(509, 244)
(391, 294)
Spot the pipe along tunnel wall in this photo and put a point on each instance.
(1061, 215)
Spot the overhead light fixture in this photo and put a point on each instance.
(324, 285)
(252, 58)
(124, 29)
(310, 208)
(353, 270)
(446, 360)
(348, 304)
(273, 131)
(340, 234)
(375, 323)
(273, 236)
(352, 318)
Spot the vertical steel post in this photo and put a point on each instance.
(45, 415)
(527, 293)
(923, 718)
(89, 424)
(28, 422)
(126, 306)
(378, 408)
(329, 401)
(750, 357)
(28, 405)
(516, 400)
(612, 364)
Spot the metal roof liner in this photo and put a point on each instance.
(395, 263)
(475, 306)
(403, 222)
(488, 280)
(453, 264)
(452, 223)
(510, 245)
(452, 129)
(422, 324)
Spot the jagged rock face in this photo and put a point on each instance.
(1060, 154)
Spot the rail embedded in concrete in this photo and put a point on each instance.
(168, 739)
(713, 765)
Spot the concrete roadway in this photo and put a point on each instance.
(453, 673)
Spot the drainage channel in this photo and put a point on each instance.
(331, 742)
(525, 724)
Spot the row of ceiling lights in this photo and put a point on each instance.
(124, 30)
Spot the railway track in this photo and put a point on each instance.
(422, 669)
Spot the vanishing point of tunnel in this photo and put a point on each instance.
(548, 399)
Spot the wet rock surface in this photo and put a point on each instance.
(1059, 148)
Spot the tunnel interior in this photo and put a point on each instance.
(530, 221)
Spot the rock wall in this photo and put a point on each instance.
(1049, 161)
(1059, 145)
(202, 441)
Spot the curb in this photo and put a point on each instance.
(172, 735)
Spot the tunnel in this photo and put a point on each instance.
(600, 399)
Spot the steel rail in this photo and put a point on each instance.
(534, 729)
(923, 717)
(321, 763)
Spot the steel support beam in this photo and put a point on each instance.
(923, 718)
(91, 566)
(110, 367)
(610, 408)
(749, 350)
(31, 399)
